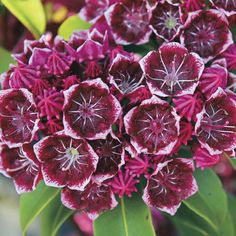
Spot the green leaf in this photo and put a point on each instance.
(30, 13)
(33, 203)
(232, 209)
(130, 218)
(6, 59)
(73, 23)
(210, 202)
(231, 160)
(53, 216)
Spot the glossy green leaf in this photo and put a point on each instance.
(210, 202)
(73, 23)
(130, 218)
(33, 203)
(53, 216)
(5, 60)
(30, 13)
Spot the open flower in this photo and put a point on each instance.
(171, 183)
(90, 110)
(129, 21)
(172, 70)
(153, 126)
(66, 161)
(111, 157)
(95, 199)
(216, 123)
(18, 117)
(22, 166)
(166, 21)
(227, 6)
(207, 33)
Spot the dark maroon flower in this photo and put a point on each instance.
(129, 21)
(66, 161)
(125, 74)
(90, 110)
(171, 183)
(212, 78)
(95, 199)
(227, 6)
(172, 70)
(204, 159)
(18, 117)
(153, 126)
(22, 166)
(207, 33)
(111, 156)
(165, 21)
(216, 123)
(124, 184)
(189, 106)
(50, 103)
(230, 56)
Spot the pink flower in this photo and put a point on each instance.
(124, 184)
(230, 56)
(171, 183)
(227, 6)
(204, 159)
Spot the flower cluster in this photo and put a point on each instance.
(94, 119)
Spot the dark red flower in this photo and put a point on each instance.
(111, 156)
(172, 70)
(193, 5)
(153, 126)
(22, 166)
(126, 75)
(129, 21)
(18, 117)
(124, 184)
(227, 6)
(66, 161)
(216, 123)
(166, 21)
(204, 159)
(207, 33)
(171, 183)
(90, 110)
(95, 199)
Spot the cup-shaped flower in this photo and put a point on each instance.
(18, 117)
(227, 6)
(207, 33)
(90, 110)
(111, 156)
(66, 161)
(95, 199)
(216, 123)
(172, 70)
(21, 165)
(129, 21)
(171, 183)
(166, 21)
(153, 126)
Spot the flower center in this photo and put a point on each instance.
(170, 23)
(157, 126)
